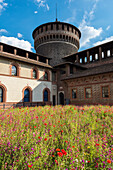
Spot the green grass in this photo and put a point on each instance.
(33, 138)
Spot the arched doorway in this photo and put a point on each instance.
(61, 98)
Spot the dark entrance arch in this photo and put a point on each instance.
(61, 98)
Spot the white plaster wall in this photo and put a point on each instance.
(15, 86)
(4, 66)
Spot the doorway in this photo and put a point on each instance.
(61, 98)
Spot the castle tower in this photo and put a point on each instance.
(56, 40)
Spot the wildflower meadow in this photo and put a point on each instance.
(57, 138)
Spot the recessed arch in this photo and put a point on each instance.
(47, 75)
(3, 92)
(14, 69)
(30, 94)
(46, 95)
(34, 73)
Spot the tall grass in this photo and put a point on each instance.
(55, 138)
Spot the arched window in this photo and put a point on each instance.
(34, 74)
(14, 71)
(46, 76)
(45, 96)
(26, 95)
(1, 94)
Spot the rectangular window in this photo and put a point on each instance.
(102, 54)
(54, 76)
(90, 57)
(88, 93)
(74, 93)
(105, 92)
(108, 53)
(96, 56)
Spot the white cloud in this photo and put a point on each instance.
(16, 42)
(89, 32)
(47, 6)
(2, 6)
(19, 35)
(108, 27)
(36, 12)
(104, 41)
(3, 31)
(42, 3)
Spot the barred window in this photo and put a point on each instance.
(105, 92)
(46, 76)
(88, 93)
(74, 93)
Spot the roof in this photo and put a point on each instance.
(36, 54)
(55, 23)
(106, 68)
(23, 59)
(89, 49)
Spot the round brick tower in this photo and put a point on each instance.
(56, 40)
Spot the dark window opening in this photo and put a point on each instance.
(26, 96)
(46, 76)
(53, 76)
(14, 71)
(74, 95)
(71, 69)
(34, 74)
(45, 96)
(51, 26)
(88, 93)
(1, 95)
(62, 26)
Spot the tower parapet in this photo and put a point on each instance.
(56, 40)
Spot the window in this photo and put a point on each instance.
(51, 26)
(26, 95)
(102, 54)
(46, 76)
(14, 71)
(105, 92)
(91, 58)
(74, 93)
(71, 69)
(88, 93)
(34, 74)
(108, 53)
(1, 95)
(96, 56)
(85, 59)
(45, 96)
(62, 27)
(80, 60)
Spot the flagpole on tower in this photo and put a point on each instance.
(56, 12)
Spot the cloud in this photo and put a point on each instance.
(3, 31)
(42, 3)
(36, 12)
(3, 5)
(104, 41)
(16, 42)
(89, 32)
(109, 26)
(47, 7)
(19, 35)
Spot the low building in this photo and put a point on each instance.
(57, 73)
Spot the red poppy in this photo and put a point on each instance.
(53, 125)
(45, 123)
(60, 154)
(66, 141)
(50, 135)
(45, 139)
(39, 137)
(97, 144)
(36, 117)
(29, 166)
(88, 161)
(109, 161)
(64, 152)
(34, 126)
(73, 146)
(53, 156)
(112, 149)
(57, 149)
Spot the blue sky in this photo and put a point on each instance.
(18, 19)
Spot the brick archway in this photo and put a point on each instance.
(4, 91)
(30, 93)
